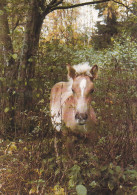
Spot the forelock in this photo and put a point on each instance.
(83, 69)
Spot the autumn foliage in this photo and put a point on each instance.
(34, 54)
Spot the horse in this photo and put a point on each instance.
(70, 102)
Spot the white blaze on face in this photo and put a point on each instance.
(81, 103)
(83, 86)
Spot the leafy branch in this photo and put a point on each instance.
(69, 6)
(78, 5)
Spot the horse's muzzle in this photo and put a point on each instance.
(81, 118)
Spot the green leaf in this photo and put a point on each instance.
(118, 169)
(30, 60)
(93, 103)
(2, 78)
(14, 56)
(135, 188)
(81, 190)
(1, 12)
(41, 101)
(110, 186)
(93, 184)
(104, 168)
(111, 171)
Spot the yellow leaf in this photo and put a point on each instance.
(25, 149)
(6, 110)
(38, 95)
(11, 148)
(58, 190)
(33, 190)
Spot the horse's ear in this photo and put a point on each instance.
(71, 71)
(94, 71)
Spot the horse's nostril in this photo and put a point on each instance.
(81, 116)
(77, 116)
(85, 116)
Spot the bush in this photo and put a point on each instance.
(108, 166)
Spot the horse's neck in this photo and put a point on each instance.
(67, 92)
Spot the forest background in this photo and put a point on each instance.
(37, 39)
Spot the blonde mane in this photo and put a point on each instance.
(82, 69)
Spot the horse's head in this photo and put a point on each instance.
(82, 88)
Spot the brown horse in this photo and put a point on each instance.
(70, 103)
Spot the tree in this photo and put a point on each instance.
(108, 27)
(129, 23)
(61, 26)
(114, 18)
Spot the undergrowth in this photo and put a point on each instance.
(28, 160)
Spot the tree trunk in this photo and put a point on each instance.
(6, 47)
(29, 51)
(9, 73)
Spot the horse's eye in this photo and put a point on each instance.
(73, 91)
(92, 90)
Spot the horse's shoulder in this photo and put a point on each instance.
(58, 85)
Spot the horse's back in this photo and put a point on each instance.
(59, 93)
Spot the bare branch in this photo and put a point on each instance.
(59, 2)
(120, 3)
(16, 25)
(79, 5)
(52, 2)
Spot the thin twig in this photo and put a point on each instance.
(120, 3)
(79, 5)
